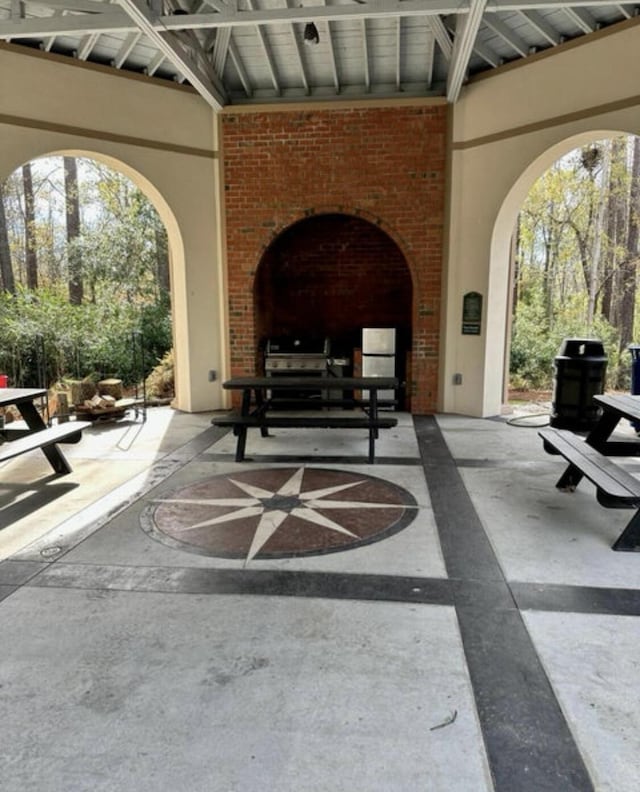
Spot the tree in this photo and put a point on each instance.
(162, 258)
(578, 241)
(6, 268)
(628, 268)
(72, 200)
(30, 241)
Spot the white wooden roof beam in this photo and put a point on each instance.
(628, 11)
(295, 38)
(582, 18)
(220, 48)
(332, 59)
(430, 56)
(540, 24)
(176, 54)
(369, 9)
(398, 37)
(81, 6)
(466, 32)
(115, 21)
(154, 64)
(86, 44)
(488, 55)
(517, 44)
(242, 72)
(442, 36)
(332, 56)
(266, 51)
(47, 43)
(68, 24)
(365, 55)
(127, 46)
(192, 41)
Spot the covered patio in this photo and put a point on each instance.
(442, 620)
(453, 623)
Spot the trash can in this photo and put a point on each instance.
(580, 369)
(634, 349)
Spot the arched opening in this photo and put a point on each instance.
(330, 276)
(107, 225)
(504, 237)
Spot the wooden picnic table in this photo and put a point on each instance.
(260, 407)
(36, 434)
(591, 457)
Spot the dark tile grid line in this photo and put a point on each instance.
(529, 745)
(202, 581)
(577, 599)
(328, 585)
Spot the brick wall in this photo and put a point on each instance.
(304, 188)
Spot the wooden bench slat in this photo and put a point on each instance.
(310, 403)
(306, 422)
(58, 433)
(608, 477)
(324, 420)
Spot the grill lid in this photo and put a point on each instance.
(298, 346)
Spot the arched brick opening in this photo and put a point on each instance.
(331, 275)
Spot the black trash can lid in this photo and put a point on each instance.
(581, 347)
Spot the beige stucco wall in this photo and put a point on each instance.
(165, 139)
(507, 130)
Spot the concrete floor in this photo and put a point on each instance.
(157, 636)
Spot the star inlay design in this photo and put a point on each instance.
(276, 513)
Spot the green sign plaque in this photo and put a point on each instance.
(471, 313)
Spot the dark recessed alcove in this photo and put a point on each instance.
(329, 276)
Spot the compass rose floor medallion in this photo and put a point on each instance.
(279, 513)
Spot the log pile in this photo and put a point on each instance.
(106, 403)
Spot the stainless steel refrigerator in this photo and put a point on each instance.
(379, 356)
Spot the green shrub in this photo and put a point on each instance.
(535, 343)
(44, 339)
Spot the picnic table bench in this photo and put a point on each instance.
(36, 434)
(260, 410)
(592, 458)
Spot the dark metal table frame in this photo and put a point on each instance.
(256, 403)
(615, 408)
